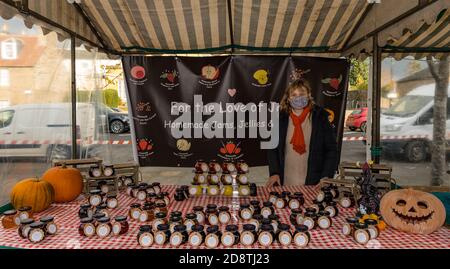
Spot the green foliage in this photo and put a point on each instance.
(359, 74)
(111, 97)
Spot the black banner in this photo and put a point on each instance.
(164, 95)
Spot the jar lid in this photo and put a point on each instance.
(99, 215)
(101, 206)
(25, 208)
(26, 221)
(255, 203)
(360, 225)
(265, 221)
(85, 206)
(213, 161)
(316, 202)
(160, 196)
(257, 217)
(273, 217)
(244, 205)
(310, 214)
(267, 227)
(241, 161)
(197, 228)
(131, 185)
(200, 160)
(167, 194)
(348, 194)
(224, 208)
(296, 211)
(111, 195)
(225, 172)
(212, 229)
(286, 193)
(331, 203)
(145, 228)
(151, 194)
(103, 220)
(301, 228)
(231, 228)
(163, 227)
(191, 216)
(143, 184)
(323, 213)
(86, 220)
(211, 210)
(273, 193)
(242, 172)
(120, 218)
(149, 204)
(36, 225)
(96, 191)
(176, 213)
(284, 227)
(211, 206)
(370, 222)
(325, 188)
(267, 204)
(175, 219)
(10, 212)
(297, 193)
(198, 208)
(135, 187)
(162, 204)
(352, 220)
(180, 228)
(46, 219)
(143, 188)
(310, 209)
(249, 227)
(160, 215)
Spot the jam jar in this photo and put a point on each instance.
(103, 228)
(195, 190)
(284, 235)
(213, 178)
(111, 200)
(176, 214)
(321, 194)
(214, 166)
(95, 197)
(274, 221)
(361, 234)
(256, 220)
(248, 235)
(179, 195)
(134, 191)
(226, 178)
(300, 197)
(324, 221)
(244, 190)
(334, 191)
(147, 212)
(273, 195)
(224, 214)
(103, 186)
(301, 236)
(310, 220)
(245, 212)
(197, 236)
(37, 232)
(8, 220)
(174, 221)
(281, 201)
(266, 235)
(242, 166)
(242, 178)
(166, 198)
(160, 218)
(255, 207)
(201, 166)
(318, 206)
(50, 227)
(190, 220)
(267, 209)
(96, 217)
(294, 202)
(127, 180)
(228, 166)
(296, 217)
(141, 194)
(135, 211)
(120, 225)
(212, 216)
(199, 178)
(130, 187)
(349, 227)
(86, 227)
(161, 207)
(108, 170)
(159, 199)
(198, 210)
(253, 190)
(157, 187)
(213, 190)
(348, 200)
(231, 236)
(179, 236)
(332, 208)
(162, 234)
(150, 190)
(102, 208)
(25, 212)
(145, 236)
(372, 228)
(213, 236)
(95, 171)
(24, 227)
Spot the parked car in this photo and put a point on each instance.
(42, 130)
(118, 122)
(357, 120)
(410, 117)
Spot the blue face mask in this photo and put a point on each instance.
(299, 102)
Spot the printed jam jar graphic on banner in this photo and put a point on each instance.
(183, 147)
(138, 75)
(144, 113)
(331, 86)
(261, 77)
(145, 148)
(209, 76)
(169, 79)
(230, 151)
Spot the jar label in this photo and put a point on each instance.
(135, 214)
(301, 239)
(244, 167)
(175, 239)
(26, 231)
(228, 239)
(224, 218)
(324, 222)
(299, 219)
(280, 203)
(213, 220)
(204, 167)
(345, 202)
(309, 222)
(96, 173)
(95, 200)
(160, 238)
(195, 240)
(189, 225)
(108, 172)
(23, 215)
(320, 196)
(265, 239)
(156, 223)
(103, 230)
(243, 179)
(246, 214)
(373, 232)
(127, 181)
(213, 190)
(255, 222)
(331, 210)
(193, 190)
(141, 195)
(245, 191)
(112, 203)
(294, 204)
(272, 199)
(146, 240)
(212, 241)
(150, 190)
(266, 212)
(105, 188)
(247, 238)
(157, 189)
(346, 229)
(285, 238)
(228, 179)
(230, 167)
(17, 220)
(361, 236)
(89, 230)
(116, 228)
(36, 235)
(143, 217)
(200, 217)
(217, 167)
(51, 228)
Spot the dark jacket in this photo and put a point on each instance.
(323, 153)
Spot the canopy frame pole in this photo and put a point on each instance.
(376, 99)
(73, 96)
(230, 25)
(358, 23)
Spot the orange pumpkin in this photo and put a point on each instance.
(32, 192)
(67, 182)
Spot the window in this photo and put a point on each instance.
(6, 118)
(4, 104)
(4, 77)
(9, 49)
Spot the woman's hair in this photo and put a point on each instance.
(296, 84)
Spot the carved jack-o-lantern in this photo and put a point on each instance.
(412, 211)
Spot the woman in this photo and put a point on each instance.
(307, 151)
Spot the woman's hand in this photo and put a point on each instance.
(273, 181)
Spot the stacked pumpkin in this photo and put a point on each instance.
(58, 184)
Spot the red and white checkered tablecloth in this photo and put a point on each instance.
(66, 217)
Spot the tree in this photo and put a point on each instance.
(111, 97)
(359, 74)
(440, 73)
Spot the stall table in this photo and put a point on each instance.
(66, 217)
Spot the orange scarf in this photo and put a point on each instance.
(298, 139)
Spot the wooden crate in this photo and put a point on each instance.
(128, 169)
(82, 165)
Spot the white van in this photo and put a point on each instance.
(412, 118)
(43, 130)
